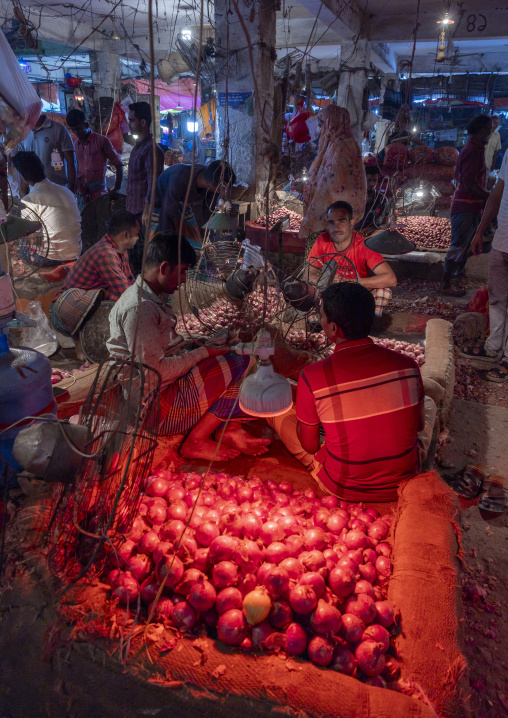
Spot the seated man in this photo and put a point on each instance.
(376, 207)
(171, 191)
(102, 272)
(370, 402)
(199, 386)
(374, 273)
(56, 206)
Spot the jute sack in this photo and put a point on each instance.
(439, 360)
(425, 588)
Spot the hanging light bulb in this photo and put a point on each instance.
(446, 20)
(304, 175)
(263, 393)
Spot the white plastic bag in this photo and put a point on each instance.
(20, 105)
(42, 337)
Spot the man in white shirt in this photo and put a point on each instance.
(496, 346)
(493, 146)
(56, 207)
(199, 385)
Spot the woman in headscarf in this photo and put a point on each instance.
(337, 173)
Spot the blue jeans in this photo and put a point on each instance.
(464, 226)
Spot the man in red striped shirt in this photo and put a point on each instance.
(369, 400)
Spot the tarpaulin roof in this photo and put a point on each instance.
(177, 96)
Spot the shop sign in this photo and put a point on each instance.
(235, 100)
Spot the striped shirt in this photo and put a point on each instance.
(368, 400)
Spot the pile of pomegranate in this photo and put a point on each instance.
(295, 220)
(263, 568)
(428, 232)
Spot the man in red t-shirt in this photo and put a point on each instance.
(368, 400)
(374, 273)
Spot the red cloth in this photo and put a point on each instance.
(115, 127)
(368, 400)
(101, 267)
(93, 156)
(470, 169)
(364, 259)
(298, 130)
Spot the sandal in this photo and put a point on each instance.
(475, 351)
(497, 374)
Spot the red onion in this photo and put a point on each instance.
(368, 572)
(138, 528)
(341, 581)
(126, 588)
(343, 661)
(290, 524)
(213, 515)
(320, 651)
(177, 510)
(372, 512)
(243, 493)
(271, 485)
(184, 616)
(321, 518)
(378, 530)
(302, 600)
(330, 502)
(228, 599)
(286, 487)
(358, 525)
(294, 567)
(313, 560)
(232, 627)
(296, 640)
(139, 566)
(331, 558)
(315, 580)
(280, 614)
(325, 620)
(366, 518)
(277, 582)
(206, 533)
(172, 530)
(352, 628)
(163, 610)
(294, 545)
(315, 539)
(201, 559)
(259, 634)
(276, 552)
(148, 542)
(369, 556)
(309, 493)
(169, 570)
(202, 595)
(156, 486)
(355, 510)
(222, 549)
(384, 613)
(211, 617)
(383, 566)
(347, 562)
(192, 482)
(187, 549)
(336, 523)
(270, 532)
(383, 549)
(126, 549)
(189, 578)
(149, 589)
(157, 511)
(370, 657)
(356, 540)
(362, 606)
(280, 498)
(377, 633)
(225, 574)
(251, 526)
(175, 493)
(248, 555)
(363, 586)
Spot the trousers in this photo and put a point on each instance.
(497, 342)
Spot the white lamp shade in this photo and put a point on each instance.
(265, 393)
(192, 126)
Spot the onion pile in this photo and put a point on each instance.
(428, 232)
(295, 220)
(263, 568)
(58, 375)
(415, 351)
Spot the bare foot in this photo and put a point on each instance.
(207, 449)
(240, 439)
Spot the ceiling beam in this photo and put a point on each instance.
(343, 16)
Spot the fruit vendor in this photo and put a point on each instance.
(199, 385)
(374, 273)
(368, 400)
(102, 272)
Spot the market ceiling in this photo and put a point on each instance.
(317, 28)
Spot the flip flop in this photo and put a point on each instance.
(496, 374)
(495, 498)
(469, 352)
(467, 483)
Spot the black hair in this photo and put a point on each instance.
(213, 173)
(341, 205)
(478, 123)
(29, 166)
(164, 248)
(371, 170)
(121, 221)
(74, 118)
(351, 307)
(142, 111)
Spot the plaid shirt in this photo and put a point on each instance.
(140, 173)
(101, 267)
(368, 400)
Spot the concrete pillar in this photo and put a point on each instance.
(106, 74)
(243, 126)
(352, 83)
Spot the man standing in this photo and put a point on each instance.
(57, 208)
(496, 346)
(141, 171)
(52, 143)
(493, 145)
(376, 206)
(374, 273)
(467, 204)
(93, 152)
(171, 191)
